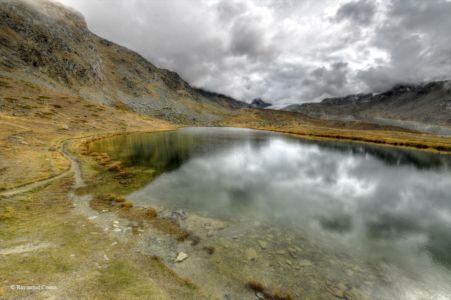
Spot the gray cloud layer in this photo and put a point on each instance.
(284, 51)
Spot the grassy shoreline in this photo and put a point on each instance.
(427, 145)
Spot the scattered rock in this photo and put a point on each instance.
(227, 297)
(178, 215)
(194, 239)
(305, 263)
(251, 254)
(181, 256)
(260, 295)
(209, 249)
(338, 290)
(263, 244)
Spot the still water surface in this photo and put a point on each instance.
(361, 218)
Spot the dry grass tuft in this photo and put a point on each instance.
(125, 209)
(8, 213)
(115, 166)
(170, 227)
(127, 205)
(107, 202)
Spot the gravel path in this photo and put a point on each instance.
(74, 168)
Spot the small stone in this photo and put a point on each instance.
(179, 214)
(260, 295)
(117, 230)
(209, 249)
(251, 254)
(181, 256)
(227, 297)
(338, 290)
(92, 218)
(305, 263)
(263, 244)
(105, 257)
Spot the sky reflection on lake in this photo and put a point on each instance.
(383, 205)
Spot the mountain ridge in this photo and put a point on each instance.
(428, 103)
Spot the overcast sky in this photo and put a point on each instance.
(285, 51)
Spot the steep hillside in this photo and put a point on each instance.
(409, 105)
(48, 44)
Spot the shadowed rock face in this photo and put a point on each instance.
(259, 103)
(51, 44)
(426, 104)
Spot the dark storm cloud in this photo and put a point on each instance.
(281, 50)
(361, 12)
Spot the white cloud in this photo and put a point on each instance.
(284, 51)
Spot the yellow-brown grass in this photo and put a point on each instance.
(353, 131)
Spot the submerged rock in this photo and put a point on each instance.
(263, 244)
(260, 295)
(251, 254)
(305, 263)
(178, 215)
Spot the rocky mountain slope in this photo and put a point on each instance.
(50, 45)
(418, 106)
